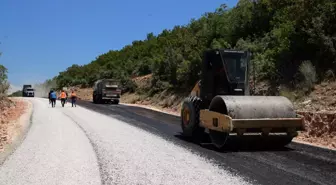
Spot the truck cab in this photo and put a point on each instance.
(30, 92)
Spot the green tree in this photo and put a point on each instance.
(4, 85)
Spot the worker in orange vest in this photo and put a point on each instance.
(63, 97)
(73, 97)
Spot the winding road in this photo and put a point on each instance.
(119, 144)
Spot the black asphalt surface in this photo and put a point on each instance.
(293, 164)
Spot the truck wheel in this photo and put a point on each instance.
(190, 118)
(99, 99)
(94, 99)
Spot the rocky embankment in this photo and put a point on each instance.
(11, 110)
(320, 128)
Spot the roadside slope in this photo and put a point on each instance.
(15, 123)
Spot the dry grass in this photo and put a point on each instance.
(164, 101)
(322, 99)
(308, 72)
(131, 98)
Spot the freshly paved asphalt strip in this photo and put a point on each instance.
(74, 145)
(293, 164)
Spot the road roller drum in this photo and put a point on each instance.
(253, 107)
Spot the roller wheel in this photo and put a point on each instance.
(218, 139)
(275, 141)
(284, 141)
(190, 114)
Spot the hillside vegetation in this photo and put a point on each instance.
(292, 41)
(16, 94)
(4, 85)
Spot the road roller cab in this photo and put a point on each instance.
(221, 103)
(224, 72)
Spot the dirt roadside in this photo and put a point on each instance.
(14, 122)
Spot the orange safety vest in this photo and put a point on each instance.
(63, 95)
(73, 94)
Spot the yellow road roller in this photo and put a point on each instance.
(220, 103)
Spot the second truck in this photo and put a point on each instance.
(106, 90)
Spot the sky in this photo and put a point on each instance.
(40, 38)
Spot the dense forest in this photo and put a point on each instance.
(292, 41)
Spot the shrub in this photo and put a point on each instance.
(329, 75)
(128, 85)
(308, 73)
(4, 85)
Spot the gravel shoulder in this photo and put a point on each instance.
(55, 151)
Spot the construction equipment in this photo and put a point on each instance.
(106, 90)
(28, 91)
(221, 104)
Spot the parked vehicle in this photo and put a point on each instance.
(28, 91)
(106, 90)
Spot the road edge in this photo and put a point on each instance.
(313, 145)
(26, 121)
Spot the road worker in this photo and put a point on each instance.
(49, 95)
(73, 97)
(66, 99)
(63, 97)
(53, 97)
